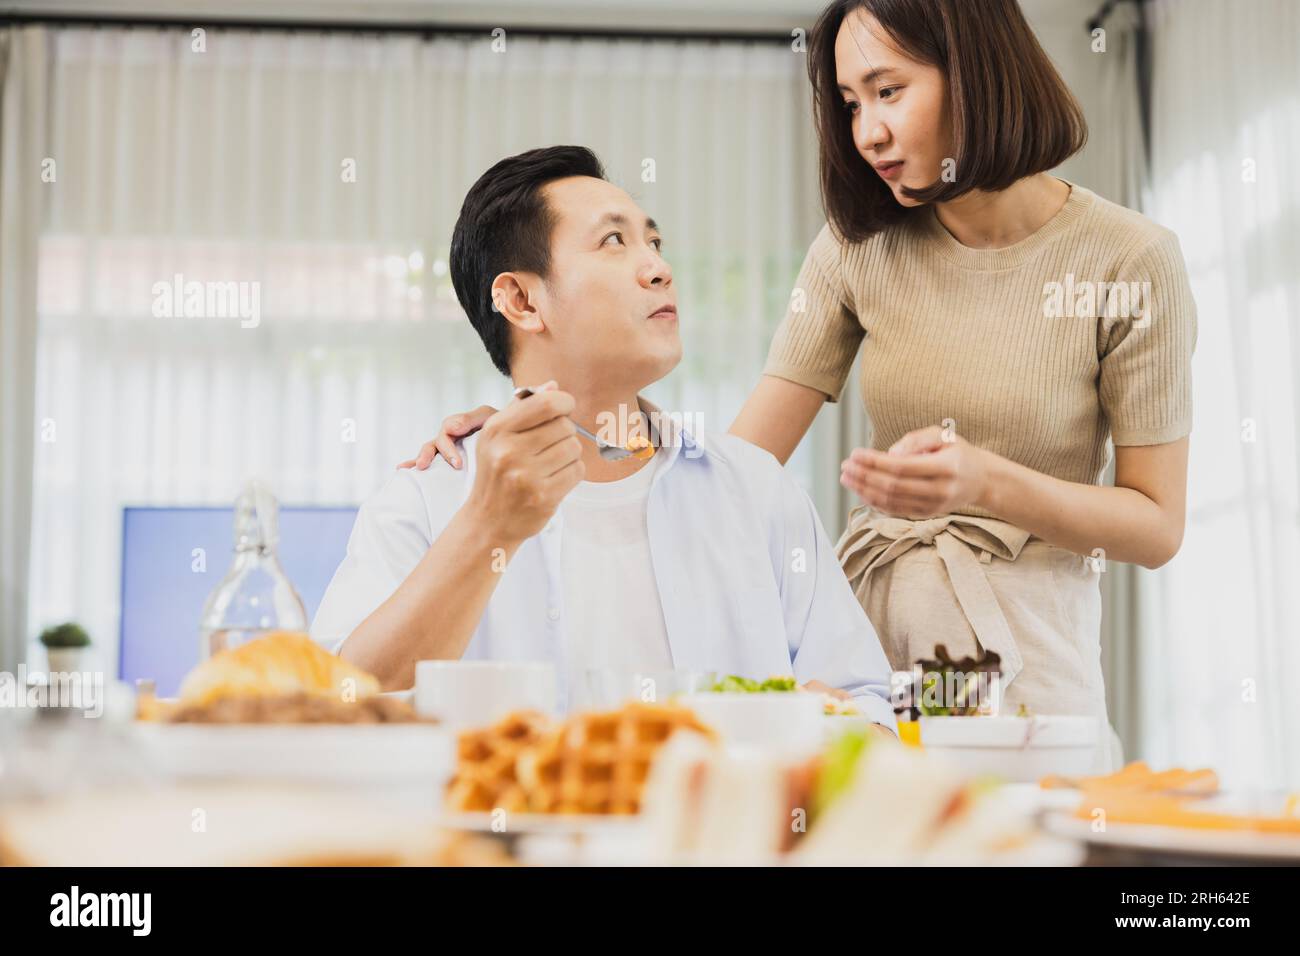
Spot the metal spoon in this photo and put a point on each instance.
(606, 451)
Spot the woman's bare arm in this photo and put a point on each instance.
(455, 426)
(1139, 520)
(777, 415)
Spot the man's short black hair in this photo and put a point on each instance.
(505, 226)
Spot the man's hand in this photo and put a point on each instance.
(528, 458)
(877, 729)
(820, 688)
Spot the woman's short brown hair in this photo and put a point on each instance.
(1012, 114)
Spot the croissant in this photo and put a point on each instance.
(283, 662)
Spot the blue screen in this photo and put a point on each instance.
(163, 595)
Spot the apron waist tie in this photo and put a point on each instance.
(872, 542)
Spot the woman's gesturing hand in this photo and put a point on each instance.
(926, 473)
(453, 427)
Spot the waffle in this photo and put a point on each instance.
(598, 762)
(485, 764)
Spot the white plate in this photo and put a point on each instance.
(1015, 749)
(1035, 798)
(1235, 846)
(1012, 733)
(335, 754)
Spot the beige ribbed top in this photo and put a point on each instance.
(1030, 349)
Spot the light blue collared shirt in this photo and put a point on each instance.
(747, 578)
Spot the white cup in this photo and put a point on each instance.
(789, 722)
(608, 688)
(478, 693)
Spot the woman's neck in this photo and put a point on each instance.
(994, 220)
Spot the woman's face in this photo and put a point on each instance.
(898, 108)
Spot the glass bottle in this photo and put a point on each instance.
(255, 597)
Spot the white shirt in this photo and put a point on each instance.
(615, 620)
(745, 577)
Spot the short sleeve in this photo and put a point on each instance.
(818, 339)
(1145, 338)
(390, 536)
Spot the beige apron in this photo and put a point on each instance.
(975, 583)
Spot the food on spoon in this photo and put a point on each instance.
(640, 447)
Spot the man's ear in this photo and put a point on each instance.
(514, 295)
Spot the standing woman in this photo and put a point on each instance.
(1011, 327)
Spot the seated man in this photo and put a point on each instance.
(703, 556)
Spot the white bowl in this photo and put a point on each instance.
(479, 693)
(1016, 749)
(785, 721)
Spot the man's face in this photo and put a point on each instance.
(609, 303)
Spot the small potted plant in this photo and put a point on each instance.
(64, 646)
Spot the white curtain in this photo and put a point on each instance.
(229, 164)
(1221, 627)
(1102, 72)
(24, 187)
